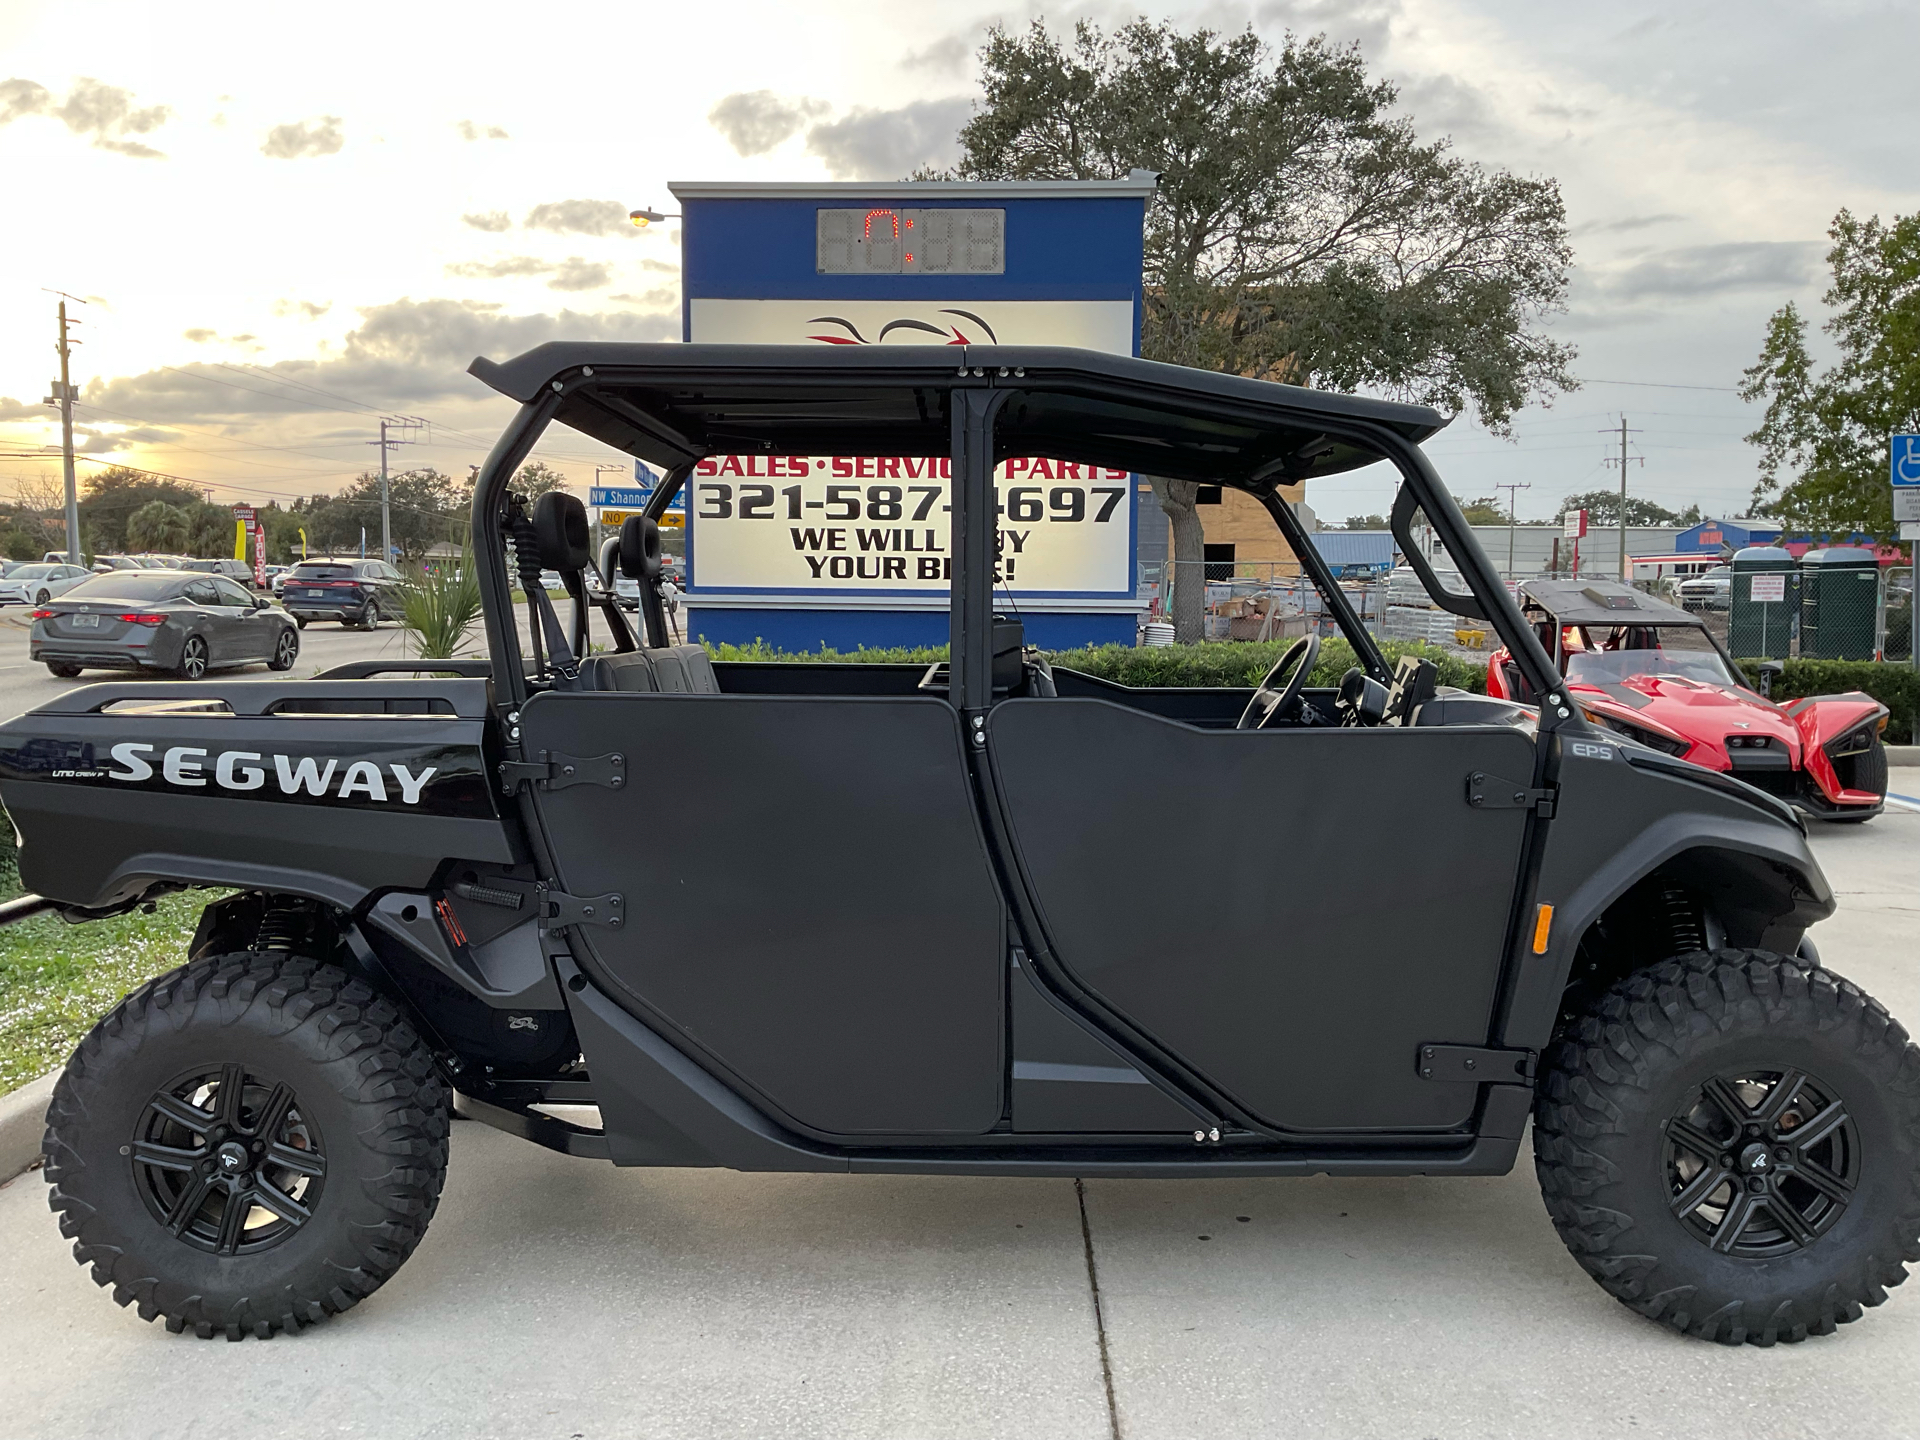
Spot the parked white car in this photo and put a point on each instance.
(37, 584)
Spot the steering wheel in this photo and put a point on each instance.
(1277, 698)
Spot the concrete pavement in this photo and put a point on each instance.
(563, 1298)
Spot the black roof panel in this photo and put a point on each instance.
(670, 404)
(1603, 602)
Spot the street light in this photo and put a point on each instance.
(644, 218)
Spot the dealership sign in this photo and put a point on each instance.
(799, 524)
(824, 525)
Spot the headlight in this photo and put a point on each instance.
(1856, 741)
(1652, 739)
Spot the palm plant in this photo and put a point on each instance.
(438, 605)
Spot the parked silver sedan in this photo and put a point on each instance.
(174, 620)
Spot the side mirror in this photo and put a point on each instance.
(1770, 671)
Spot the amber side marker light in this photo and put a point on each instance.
(1542, 923)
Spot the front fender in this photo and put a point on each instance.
(1616, 822)
(1822, 719)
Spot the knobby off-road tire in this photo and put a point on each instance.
(1805, 1228)
(265, 1076)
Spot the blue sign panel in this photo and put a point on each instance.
(805, 550)
(1906, 460)
(619, 497)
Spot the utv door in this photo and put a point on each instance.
(809, 908)
(1289, 912)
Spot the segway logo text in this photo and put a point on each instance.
(243, 770)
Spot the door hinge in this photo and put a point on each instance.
(1490, 792)
(556, 772)
(556, 908)
(1474, 1064)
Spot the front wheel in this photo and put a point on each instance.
(286, 650)
(193, 658)
(249, 1144)
(44, 597)
(1729, 1144)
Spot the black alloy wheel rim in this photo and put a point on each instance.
(1761, 1162)
(226, 1161)
(286, 649)
(193, 658)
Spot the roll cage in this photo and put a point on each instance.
(674, 405)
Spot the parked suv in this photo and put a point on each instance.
(1709, 590)
(354, 592)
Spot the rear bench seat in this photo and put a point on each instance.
(673, 670)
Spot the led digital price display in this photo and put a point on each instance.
(910, 242)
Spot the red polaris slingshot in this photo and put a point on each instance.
(1653, 673)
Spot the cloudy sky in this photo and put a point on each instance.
(288, 222)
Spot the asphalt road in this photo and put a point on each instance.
(563, 1298)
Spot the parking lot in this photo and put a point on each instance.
(561, 1297)
(25, 684)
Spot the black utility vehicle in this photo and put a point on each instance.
(354, 592)
(902, 925)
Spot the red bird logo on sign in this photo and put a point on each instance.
(951, 334)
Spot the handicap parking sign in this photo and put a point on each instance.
(1906, 460)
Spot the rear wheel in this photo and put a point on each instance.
(1730, 1144)
(249, 1144)
(64, 671)
(370, 620)
(193, 658)
(301, 621)
(286, 650)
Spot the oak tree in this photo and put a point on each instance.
(1302, 231)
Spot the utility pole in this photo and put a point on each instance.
(63, 396)
(1513, 510)
(1626, 565)
(390, 422)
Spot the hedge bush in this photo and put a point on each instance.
(1230, 662)
(1896, 686)
(1246, 662)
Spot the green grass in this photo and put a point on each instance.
(56, 979)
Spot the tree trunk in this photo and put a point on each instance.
(1188, 565)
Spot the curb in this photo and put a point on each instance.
(1903, 755)
(23, 1120)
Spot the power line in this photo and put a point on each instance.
(1661, 385)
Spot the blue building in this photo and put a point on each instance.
(1717, 537)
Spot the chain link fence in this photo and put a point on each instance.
(1836, 617)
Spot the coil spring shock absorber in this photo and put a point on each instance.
(282, 926)
(1684, 931)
